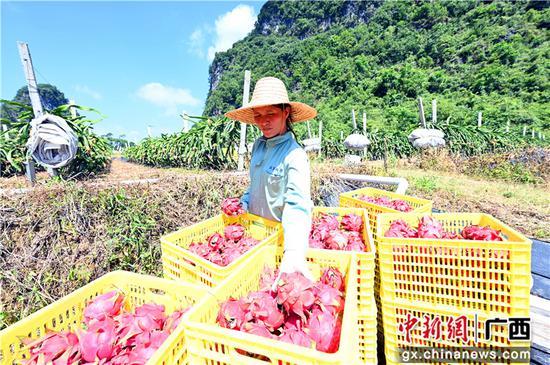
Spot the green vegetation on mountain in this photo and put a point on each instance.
(379, 57)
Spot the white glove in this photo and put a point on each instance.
(293, 261)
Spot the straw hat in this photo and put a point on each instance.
(271, 91)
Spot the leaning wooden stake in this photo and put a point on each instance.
(246, 93)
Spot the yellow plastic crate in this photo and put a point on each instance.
(365, 260)
(350, 199)
(181, 264)
(396, 313)
(367, 334)
(493, 276)
(208, 343)
(66, 313)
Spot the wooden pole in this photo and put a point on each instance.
(246, 94)
(434, 112)
(421, 113)
(479, 117)
(26, 60)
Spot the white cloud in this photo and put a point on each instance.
(167, 97)
(196, 42)
(231, 27)
(86, 90)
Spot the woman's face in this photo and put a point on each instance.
(271, 120)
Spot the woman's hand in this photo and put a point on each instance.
(232, 207)
(292, 261)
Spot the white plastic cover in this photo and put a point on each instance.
(356, 141)
(52, 143)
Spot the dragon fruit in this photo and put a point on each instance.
(232, 314)
(352, 223)
(310, 312)
(330, 221)
(296, 337)
(336, 240)
(215, 241)
(397, 204)
(333, 277)
(103, 306)
(295, 293)
(315, 243)
(328, 298)
(233, 232)
(263, 308)
(400, 205)
(355, 242)
(400, 228)
(54, 347)
(478, 233)
(324, 329)
(256, 329)
(232, 207)
(429, 227)
(99, 341)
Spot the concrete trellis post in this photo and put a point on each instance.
(434, 112)
(421, 113)
(479, 119)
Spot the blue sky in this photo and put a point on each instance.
(140, 63)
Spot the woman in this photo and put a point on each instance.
(279, 168)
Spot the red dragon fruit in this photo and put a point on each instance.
(333, 277)
(232, 207)
(54, 347)
(478, 233)
(234, 232)
(106, 305)
(232, 314)
(429, 227)
(263, 308)
(336, 240)
(99, 341)
(328, 298)
(355, 242)
(295, 293)
(324, 329)
(296, 337)
(256, 329)
(294, 321)
(352, 222)
(315, 243)
(328, 220)
(215, 241)
(400, 205)
(400, 228)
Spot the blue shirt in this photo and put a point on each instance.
(280, 187)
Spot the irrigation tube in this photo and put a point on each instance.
(402, 183)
